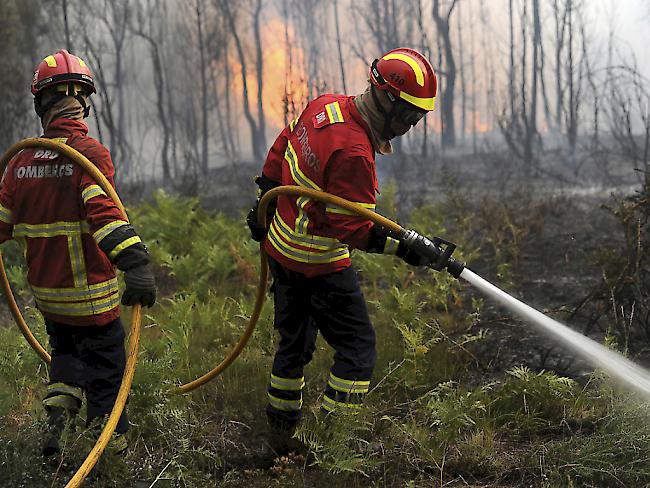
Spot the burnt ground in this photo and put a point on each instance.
(556, 273)
(564, 226)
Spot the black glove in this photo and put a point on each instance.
(258, 232)
(140, 286)
(417, 250)
(381, 241)
(377, 239)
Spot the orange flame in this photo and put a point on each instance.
(284, 86)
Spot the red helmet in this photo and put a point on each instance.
(62, 67)
(406, 74)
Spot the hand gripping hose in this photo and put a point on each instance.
(134, 341)
(319, 196)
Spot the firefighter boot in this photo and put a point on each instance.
(58, 418)
(281, 439)
(62, 403)
(117, 446)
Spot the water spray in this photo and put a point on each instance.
(596, 354)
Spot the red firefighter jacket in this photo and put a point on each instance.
(58, 215)
(326, 148)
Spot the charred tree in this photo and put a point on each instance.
(448, 93)
(150, 26)
(258, 148)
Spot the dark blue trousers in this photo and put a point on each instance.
(334, 305)
(93, 359)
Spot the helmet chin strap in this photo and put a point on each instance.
(386, 132)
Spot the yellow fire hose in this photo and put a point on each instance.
(134, 341)
(261, 289)
(127, 379)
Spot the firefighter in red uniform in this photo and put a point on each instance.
(73, 236)
(331, 147)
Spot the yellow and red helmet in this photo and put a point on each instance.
(407, 75)
(62, 67)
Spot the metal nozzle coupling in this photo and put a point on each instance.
(438, 251)
(455, 267)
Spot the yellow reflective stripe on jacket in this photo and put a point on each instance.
(338, 210)
(302, 255)
(51, 230)
(79, 294)
(334, 112)
(391, 245)
(286, 405)
(91, 192)
(298, 176)
(302, 221)
(308, 240)
(287, 384)
(292, 124)
(289, 241)
(107, 229)
(330, 405)
(6, 216)
(77, 260)
(71, 230)
(81, 309)
(123, 245)
(304, 241)
(348, 386)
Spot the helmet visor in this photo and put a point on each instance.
(407, 113)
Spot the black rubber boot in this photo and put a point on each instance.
(281, 439)
(58, 419)
(117, 446)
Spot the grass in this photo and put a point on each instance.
(427, 421)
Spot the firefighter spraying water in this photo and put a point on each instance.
(331, 147)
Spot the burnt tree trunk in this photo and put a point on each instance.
(448, 92)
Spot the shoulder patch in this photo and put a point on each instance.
(330, 115)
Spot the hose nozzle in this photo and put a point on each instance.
(444, 260)
(438, 252)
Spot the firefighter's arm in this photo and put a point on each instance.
(272, 169)
(353, 178)
(6, 214)
(7, 188)
(270, 178)
(117, 238)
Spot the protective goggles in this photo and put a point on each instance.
(407, 113)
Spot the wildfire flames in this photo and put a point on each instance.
(284, 85)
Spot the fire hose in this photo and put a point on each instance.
(439, 251)
(441, 257)
(134, 340)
